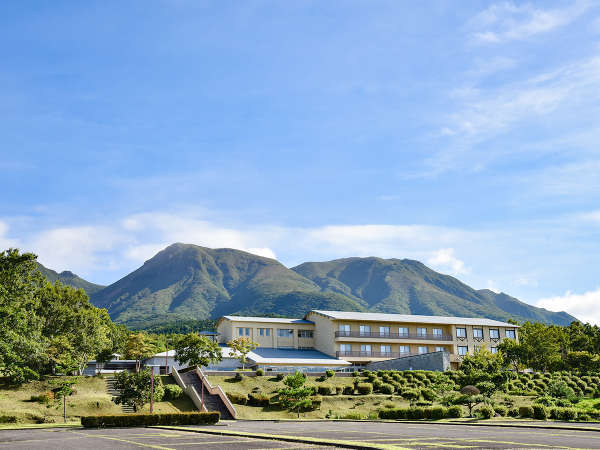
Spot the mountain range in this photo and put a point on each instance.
(186, 281)
(69, 278)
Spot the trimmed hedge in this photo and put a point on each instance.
(386, 388)
(349, 390)
(141, 420)
(326, 389)
(238, 399)
(364, 388)
(540, 412)
(8, 419)
(172, 392)
(526, 412)
(455, 411)
(258, 400)
(435, 413)
(260, 372)
(486, 412)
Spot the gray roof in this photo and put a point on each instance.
(267, 319)
(409, 318)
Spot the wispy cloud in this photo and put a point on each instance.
(507, 21)
(444, 259)
(585, 307)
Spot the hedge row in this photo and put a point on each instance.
(437, 412)
(141, 420)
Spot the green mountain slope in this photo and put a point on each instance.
(409, 287)
(187, 281)
(70, 279)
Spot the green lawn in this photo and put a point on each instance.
(90, 398)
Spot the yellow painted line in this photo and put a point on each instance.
(492, 441)
(140, 444)
(33, 440)
(216, 442)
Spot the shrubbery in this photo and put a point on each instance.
(526, 412)
(326, 389)
(329, 373)
(258, 400)
(238, 399)
(140, 420)
(485, 412)
(8, 419)
(348, 390)
(386, 388)
(172, 392)
(260, 372)
(540, 412)
(501, 410)
(364, 388)
(438, 412)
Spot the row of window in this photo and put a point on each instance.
(478, 333)
(463, 349)
(368, 348)
(386, 331)
(281, 332)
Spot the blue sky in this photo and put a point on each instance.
(463, 134)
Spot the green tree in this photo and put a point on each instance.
(484, 366)
(296, 395)
(470, 397)
(139, 347)
(195, 350)
(513, 353)
(63, 389)
(241, 346)
(135, 388)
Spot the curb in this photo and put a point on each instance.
(39, 426)
(285, 438)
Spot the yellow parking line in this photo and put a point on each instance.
(97, 436)
(492, 441)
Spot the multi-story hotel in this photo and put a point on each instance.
(361, 338)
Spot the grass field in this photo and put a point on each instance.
(90, 398)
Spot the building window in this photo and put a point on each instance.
(384, 331)
(240, 331)
(365, 349)
(461, 333)
(440, 349)
(494, 334)
(261, 331)
(365, 330)
(494, 349)
(268, 331)
(345, 347)
(285, 333)
(305, 333)
(478, 333)
(344, 329)
(403, 331)
(462, 350)
(437, 332)
(421, 331)
(386, 349)
(404, 349)
(423, 350)
(510, 334)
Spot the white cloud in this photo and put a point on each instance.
(444, 259)
(586, 306)
(5, 241)
(264, 251)
(503, 22)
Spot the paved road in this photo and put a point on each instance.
(403, 435)
(130, 438)
(429, 435)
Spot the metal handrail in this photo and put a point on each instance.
(373, 334)
(216, 390)
(341, 354)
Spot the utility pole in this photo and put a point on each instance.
(65, 408)
(152, 391)
(167, 364)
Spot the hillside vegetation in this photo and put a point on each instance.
(185, 282)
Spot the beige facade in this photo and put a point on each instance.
(364, 337)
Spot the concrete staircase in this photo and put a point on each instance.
(211, 402)
(110, 388)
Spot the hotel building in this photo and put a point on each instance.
(360, 338)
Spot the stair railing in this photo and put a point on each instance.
(189, 390)
(216, 390)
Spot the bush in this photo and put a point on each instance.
(513, 412)
(377, 383)
(567, 414)
(316, 402)
(387, 389)
(141, 420)
(559, 389)
(260, 372)
(172, 392)
(238, 377)
(326, 389)
(501, 410)
(364, 388)
(279, 377)
(348, 390)
(46, 397)
(455, 411)
(238, 399)
(355, 374)
(545, 400)
(485, 412)
(8, 419)
(539, 412)
(439, 412)
(258, 400)
(329, 373)
(339, 390)
(526, 411)
(562, 402)
(428, 394)
(410, 394)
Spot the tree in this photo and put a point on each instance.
(63, 389)
(195, 350)
(138, 347)
(443, 387)
(470, 397)
(484, 367)
(241, 347)
(135, 388)
(296, 395)
(513, 353)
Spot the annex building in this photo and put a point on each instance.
(338, 338)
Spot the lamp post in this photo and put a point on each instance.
(152, 366)
(167, 359)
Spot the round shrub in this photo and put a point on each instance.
(501, 410)
(258, 400)
(348, 390)
(545, 400)
(339, 390)
(387, 389)
(454, 411)
(329, 373)
(559, 389)
(238, 377)
(428, 394)
(377, 383)
(562, 402)
(540, 412)
(326, 389)
(513, 412)
(371, 377)
(355, 373)
(260, 372)
(526, 412)
(567, 414)
(470, 390)
(485, 412)
(438, 412)
(172, 392)
(410, 394)
(364, 388)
